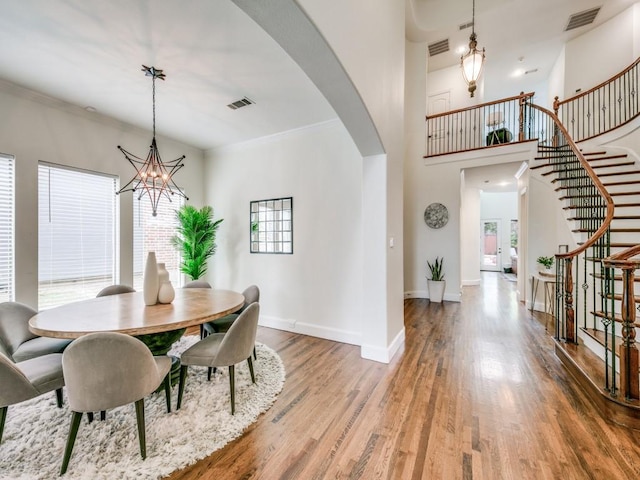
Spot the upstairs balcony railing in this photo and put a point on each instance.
(486, 125)
(603, 108)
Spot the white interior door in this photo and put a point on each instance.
(490, 241)
(438, 103)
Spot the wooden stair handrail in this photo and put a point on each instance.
(557, 103)
(522, 96)
(596, 181)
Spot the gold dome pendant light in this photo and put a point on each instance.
(153, 176)
(472, 61)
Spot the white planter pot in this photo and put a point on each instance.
(548, 272)
(436, 290)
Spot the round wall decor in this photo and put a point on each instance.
(436, 215)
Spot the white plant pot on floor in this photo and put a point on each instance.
(436, 290)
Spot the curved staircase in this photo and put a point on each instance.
(600, 325)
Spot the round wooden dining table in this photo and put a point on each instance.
(127, 313)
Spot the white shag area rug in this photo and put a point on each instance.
(36, 431)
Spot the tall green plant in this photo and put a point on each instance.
(195, 239)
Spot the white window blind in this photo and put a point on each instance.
(7, 195)
(76, 234)
(153, 234)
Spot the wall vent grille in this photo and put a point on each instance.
(581, 19)
(439, 47)
(240, 103)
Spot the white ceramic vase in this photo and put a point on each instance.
(163, 274)
(150, 283)
(166, 293)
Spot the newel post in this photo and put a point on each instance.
(629, 365)
(568, 301)
(522, 102)
(556, 107)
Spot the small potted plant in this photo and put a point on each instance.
(545, 265)
(436, 283)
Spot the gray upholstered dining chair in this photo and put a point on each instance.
(17, 341)
(106, 370)
(198, 284)
(115, 290)
(29, 379)
(224, 350)
(220, 325)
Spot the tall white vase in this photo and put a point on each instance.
(150, 283)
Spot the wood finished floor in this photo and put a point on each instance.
(477, 393)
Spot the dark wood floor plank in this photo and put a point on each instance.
(477, 393)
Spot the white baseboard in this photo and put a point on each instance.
(450, 297)
(416, 294)
(470, 283)
(380, 354)
(328, 333)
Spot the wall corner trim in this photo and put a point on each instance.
(384, 355)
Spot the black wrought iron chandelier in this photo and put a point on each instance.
(153, 176)
(472, 61)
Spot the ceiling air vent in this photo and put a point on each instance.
(581, 19)
(464, 26)
(439, 47)
(240, 103)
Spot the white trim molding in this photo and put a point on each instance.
(380, 354)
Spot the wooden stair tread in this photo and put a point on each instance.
(612, 174)
(617, 278)
(615, 217)
(627, 205)
(592, 195)
(607, 157)
(594, 167)
(614, 230)
(636, 298)
(586, 154)
(617, 317)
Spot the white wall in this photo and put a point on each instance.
(556, 81)
(371, 53)
(599, 54)
(547, 228)
(450, 80)
(370, 43)
(318, 289)
(469, 233)
(36, 128)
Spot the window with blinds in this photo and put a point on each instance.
(76, 234)
(7, 220)
(153, 234)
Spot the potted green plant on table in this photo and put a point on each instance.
(436, 284)
(195, 239)
(545, 265)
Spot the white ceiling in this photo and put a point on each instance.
(90, 52)
(508, 30)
